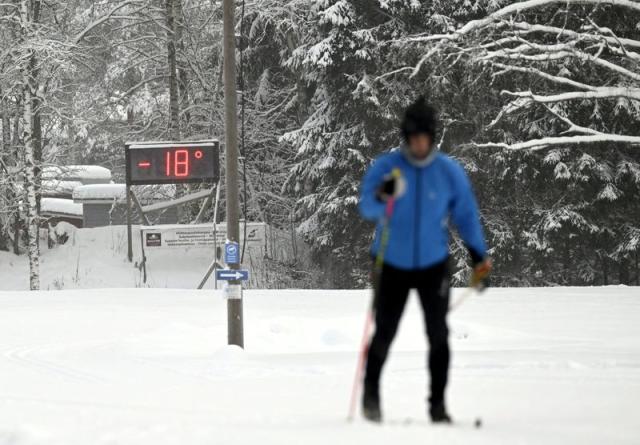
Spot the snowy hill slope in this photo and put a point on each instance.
(149, 366)
(90, 258)
(97, 258)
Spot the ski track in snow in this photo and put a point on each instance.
(28, 356)
(125, 366)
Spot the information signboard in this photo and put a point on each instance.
(197, 235)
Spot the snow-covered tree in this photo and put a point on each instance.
(37, 62)
(567, 71)
(538, 99)
(574, 62)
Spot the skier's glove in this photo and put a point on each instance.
(393, 186)
(480, 275)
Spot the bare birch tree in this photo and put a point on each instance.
(28, 94)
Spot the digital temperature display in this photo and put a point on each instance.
(171, 163)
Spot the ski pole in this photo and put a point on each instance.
(465, 295)
(377, 272)
(355, 389)
(476, 284)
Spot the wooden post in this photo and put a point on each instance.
(234, 306)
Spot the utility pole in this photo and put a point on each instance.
(235, 328)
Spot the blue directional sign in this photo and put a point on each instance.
(231, 274)
(232, 253)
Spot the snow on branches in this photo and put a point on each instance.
(571, 64)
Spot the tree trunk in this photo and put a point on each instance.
(183, 79)
(31, 195)
(5, 180)
(6, 127)
(36, 106)
(174, 106)
(16, 126)
(15, 143)
(16, 234)
(37, 145)
(623, 272)
(29, 160)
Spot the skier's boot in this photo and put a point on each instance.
(371, 406)
(439, 414)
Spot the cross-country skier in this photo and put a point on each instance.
(428, 189)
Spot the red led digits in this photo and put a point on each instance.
(177, 165)
(182, 163)
(172, 162)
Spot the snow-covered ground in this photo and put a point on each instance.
(97, 258)
(148, 366)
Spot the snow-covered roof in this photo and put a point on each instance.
(108, 192)
(169, 144)
(84, 173)
(60, 206)
(100, 192)
(54, 187)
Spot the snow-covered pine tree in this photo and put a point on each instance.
(356, 61)
(570, 82)
(346, 126)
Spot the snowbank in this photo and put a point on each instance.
(90, 258)
(87, 174)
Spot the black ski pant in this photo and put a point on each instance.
(393, 288)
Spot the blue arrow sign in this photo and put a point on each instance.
(232, 253)
(230, 274)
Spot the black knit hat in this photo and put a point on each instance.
(419, 117)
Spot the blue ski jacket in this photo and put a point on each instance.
(419, 225)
